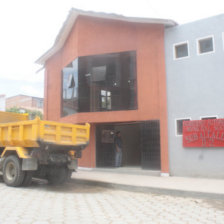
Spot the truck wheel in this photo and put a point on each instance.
(27, 178)
(12, 171)
(57, 175)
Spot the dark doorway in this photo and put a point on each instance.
(141, 144)
(150, 145)
(105, 146)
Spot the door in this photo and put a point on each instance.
(150, 145)
(105, 146)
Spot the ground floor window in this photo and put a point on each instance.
(208, 117)
(179, 125)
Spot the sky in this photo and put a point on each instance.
(29, 28)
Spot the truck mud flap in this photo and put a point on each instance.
(30, 164)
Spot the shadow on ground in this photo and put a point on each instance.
(70, 187)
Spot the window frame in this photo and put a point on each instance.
(177, 119)
(178, 44)
(106, 97)
(203, 38)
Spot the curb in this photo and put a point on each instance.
(153, 190)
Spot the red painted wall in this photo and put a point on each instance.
(88, 154)
(91, 36)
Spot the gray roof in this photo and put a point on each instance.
(73, 15)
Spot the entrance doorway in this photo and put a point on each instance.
(141, 144)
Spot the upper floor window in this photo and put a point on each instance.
(104, 82)
(205, 45)
(181, 50)
(105, 100)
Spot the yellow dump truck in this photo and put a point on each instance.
(37, 148)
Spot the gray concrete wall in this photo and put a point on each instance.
(195, 87)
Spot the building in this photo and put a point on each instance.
(109, 70)
(2, 102)
(120, 73)
(25, 102)
(195, 76)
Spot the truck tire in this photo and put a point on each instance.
(57, 175)
(13, 175)
(27, 179)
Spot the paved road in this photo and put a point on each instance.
(77, 204)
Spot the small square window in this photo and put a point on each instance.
(179, 126)
(205, 45)
(181, 50)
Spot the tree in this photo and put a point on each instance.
(32, 113)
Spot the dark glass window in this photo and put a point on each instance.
(70, 88)
(205, 45)
(181, 50)
(179, 126)
(99, 83)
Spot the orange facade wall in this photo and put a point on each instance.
(91, 36)
(88, 154)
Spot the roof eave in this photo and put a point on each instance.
(74, 13)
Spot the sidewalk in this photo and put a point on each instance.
(179, 186)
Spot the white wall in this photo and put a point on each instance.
(2, 102)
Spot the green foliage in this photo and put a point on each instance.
(32, 113)
(14, 110)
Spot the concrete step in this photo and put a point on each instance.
(177, 186)
(125, 170)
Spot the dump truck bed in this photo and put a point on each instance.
(33, 133)
(6, 117)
